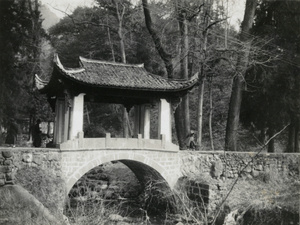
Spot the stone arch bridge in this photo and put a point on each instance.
(147, 158)
(156, 159)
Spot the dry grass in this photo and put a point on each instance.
(93, 209)
(19, 207)
(46, 187)
(270, 198)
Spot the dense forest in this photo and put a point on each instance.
(248, 97)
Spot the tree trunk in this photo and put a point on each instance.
(202, 75)
(182, 120)
(179, 126)
(185, 75)
(293, 138)
(238, 80)
(297, 134)
(210, 116)
(120, 16)
(233, 115)
(200, 110)
(182, 113)
(271, 144)
(110, 42)
(166, 57)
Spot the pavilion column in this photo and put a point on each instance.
(137, 120)
(146, 121)
(66, 121)
(76, 120)
(142, 120)
(59, 121)
(164, 119)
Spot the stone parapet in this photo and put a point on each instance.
(108, 142)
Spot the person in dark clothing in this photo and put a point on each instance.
(12, 132)
(36, 134)
(191, 140)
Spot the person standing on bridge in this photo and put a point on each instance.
(191, 140)
(37, 134)
(12, 133)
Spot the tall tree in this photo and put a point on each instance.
(184, 14)
(272, 100)
(20, 34)
(120, 12)
(202, 74)
(231, 139)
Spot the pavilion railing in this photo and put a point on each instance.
(118, 143)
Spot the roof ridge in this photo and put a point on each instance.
(110, 63)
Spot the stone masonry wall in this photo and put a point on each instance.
(14, 159)
(218, 169)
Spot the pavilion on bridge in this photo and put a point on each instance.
(110, 82)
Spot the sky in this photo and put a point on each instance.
(235, 8)
(60, 6)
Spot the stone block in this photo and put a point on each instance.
(7, 162)
(7, 154)
(53, 157)
(9, 176)
(259, 167)
(4, 169)
(217, 168)
(249, 176)
(38, 159)
(27, 157)
(2, 182)
(254, 173)
(248, 169)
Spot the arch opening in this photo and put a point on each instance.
(126, 188)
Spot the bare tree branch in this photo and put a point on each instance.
(167, 58)
(78, 22)
(242, 170)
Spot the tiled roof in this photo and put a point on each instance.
(123, 76)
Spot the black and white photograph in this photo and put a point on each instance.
(149, 112)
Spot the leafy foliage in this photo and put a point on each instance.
(272, 97)
(21, 35)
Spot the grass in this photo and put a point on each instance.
(45, 187)
(19, 207)
(85, 206)
(270, 198)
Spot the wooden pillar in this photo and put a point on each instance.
(142, 121)
(59, 121)
(137, 120)
(76, 120)
(146, 121)
(164, 120)
(66, 122)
